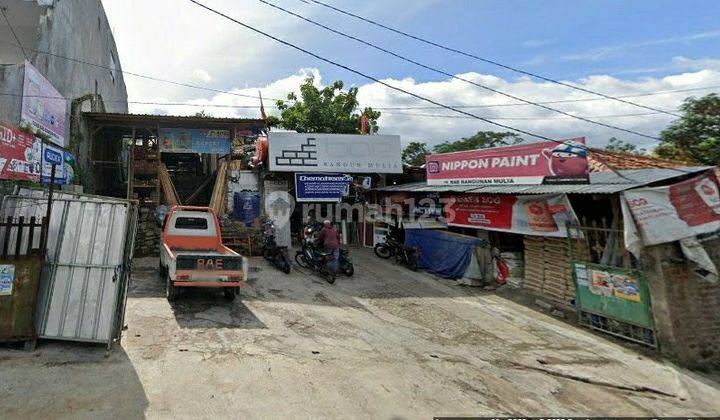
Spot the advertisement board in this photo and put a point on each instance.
(526, 164)
(7, 276)
(19, 154)
(348, 153)
(43, 107)
(64, 162)
(321, 187)
(681, 210)
(194, 140)
(539, 215)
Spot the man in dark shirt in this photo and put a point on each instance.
(329, 237)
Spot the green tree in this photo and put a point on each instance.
(617, 145)
(695, 137)
(327, 110)
(481, 140)
(414, 153)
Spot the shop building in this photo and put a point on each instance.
(565, 241)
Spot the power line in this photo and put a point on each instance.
(643, 114)
(376, 80)
(19, 44)
(143, 76)
(448, 74)
(486, 60)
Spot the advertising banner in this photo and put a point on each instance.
(539, 215)
(193, 140)
(321, 187)
(526, 164)
(349, 153)
(682, 210)
(19, 154)
(43, 107)
(677, 212)
(64, 162)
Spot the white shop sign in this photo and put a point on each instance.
(347, 153)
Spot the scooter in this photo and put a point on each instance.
(278, 256)
(408, 256)
(345, 262)
(314, 259)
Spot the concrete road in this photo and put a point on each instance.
(388, 343)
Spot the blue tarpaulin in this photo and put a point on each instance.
(443, 253)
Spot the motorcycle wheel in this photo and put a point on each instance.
(383, 251)
(301, 260)
(267, 254)
(330, 276)
(348, 270)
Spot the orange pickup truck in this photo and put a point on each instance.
(192, 254)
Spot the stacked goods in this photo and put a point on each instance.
(240, 238)
(217, 200)
(516, 263)
(547, 268)
(171, 196)
(147, 236)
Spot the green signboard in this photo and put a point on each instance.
(616, 293)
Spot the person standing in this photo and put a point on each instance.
(329, 237)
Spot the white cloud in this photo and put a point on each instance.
(697, 64)
(202, 75)
(424, 125)
(536, 43)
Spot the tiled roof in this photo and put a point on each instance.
(599, 160)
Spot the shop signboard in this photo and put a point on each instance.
(617, 293)
(43, 107)
(526, 164)
(314, 187)
(539, 215)
(64, 162)
(347, 153)
(19, 154)
(194, 140)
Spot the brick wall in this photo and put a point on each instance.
(686, 309)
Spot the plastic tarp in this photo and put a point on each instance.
(443, 253)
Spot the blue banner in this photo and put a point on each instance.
(321, 187)
(64, 163)
(194, 140)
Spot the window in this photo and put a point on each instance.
(113, 67)
(199, 223)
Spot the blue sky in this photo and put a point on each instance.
(618, 47)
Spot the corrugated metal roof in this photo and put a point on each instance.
(600, 183)
(100, 118)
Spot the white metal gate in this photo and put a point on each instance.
(84, 282)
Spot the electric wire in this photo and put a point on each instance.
(452, 76)
(485, 60)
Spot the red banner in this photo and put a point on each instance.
(535, 163)
(19, 154)
(544, 215)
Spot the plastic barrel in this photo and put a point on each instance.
(246, 207)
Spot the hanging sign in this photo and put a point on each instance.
(347, 153)
(535, 163)
(19, 154)
(321, 187)
(43, 107)
(193, 140)
(540, 215)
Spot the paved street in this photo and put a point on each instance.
(388, 343)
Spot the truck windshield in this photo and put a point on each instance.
(199, 223)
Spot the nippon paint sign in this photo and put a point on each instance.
(525, 164)
(347, 153)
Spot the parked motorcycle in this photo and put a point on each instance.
(316, 260)
(278, 256)
(408, 256)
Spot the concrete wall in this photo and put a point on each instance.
(685, 307)
(80, 30)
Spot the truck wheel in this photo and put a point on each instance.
(229, 293)
(171, 291)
